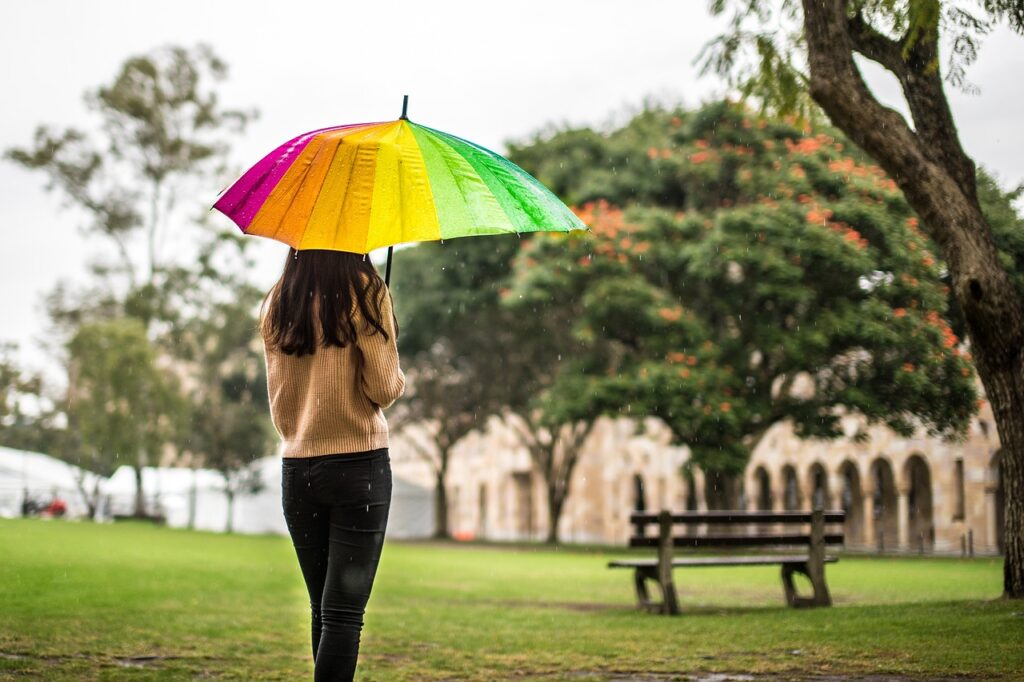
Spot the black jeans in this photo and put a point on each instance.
(336, 508)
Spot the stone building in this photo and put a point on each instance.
(900, 494)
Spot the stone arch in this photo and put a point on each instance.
(639, 493)
(791, 497)
(817, 484)
(885, 504)
(482, 512)
(762, 489)
(851, 501)
(691, 489)
(722, 490)
(917, 480)
(999, 499)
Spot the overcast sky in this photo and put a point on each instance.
(489, 72)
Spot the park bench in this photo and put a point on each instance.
(734, 529)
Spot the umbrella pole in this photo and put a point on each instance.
(387, 270)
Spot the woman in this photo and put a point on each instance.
(332, 364)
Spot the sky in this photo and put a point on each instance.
(488, 72)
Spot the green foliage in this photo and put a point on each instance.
(124, 407)
(467, 356)
(784, 278)
(1007, 226)
(159, 144)
(762, 53)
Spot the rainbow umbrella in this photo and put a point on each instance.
(364, 186)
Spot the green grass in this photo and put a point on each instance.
(80, 601)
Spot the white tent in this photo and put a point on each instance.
(42, 478)
(180, 493)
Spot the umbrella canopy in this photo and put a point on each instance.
(360, 187)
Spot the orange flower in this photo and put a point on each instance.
(684, 373)
(908, 367)
(652, 153)
(676, 357)
(701, 144)
(691, 360)
(670, 314)
(899, 312)
(927, 261)
(818, 215)
(676, 121)
(725, 407)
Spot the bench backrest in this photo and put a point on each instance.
(737, 526)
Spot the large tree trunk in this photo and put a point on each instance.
(938, 180)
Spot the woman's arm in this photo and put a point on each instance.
(383, 380)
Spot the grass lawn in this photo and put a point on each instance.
(80, 601)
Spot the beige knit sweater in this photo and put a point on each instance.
(331, 401)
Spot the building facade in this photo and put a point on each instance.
(917, 494)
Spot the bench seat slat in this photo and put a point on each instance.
(738, 517)
(737, 540)
(718, 561)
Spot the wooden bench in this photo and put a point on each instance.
(744, 529)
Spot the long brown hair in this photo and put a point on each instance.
(327, 285)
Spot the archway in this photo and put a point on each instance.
(996, 468)
(482, 520)
(639, 498)
(791, 489)
(763, 489)
(851, 500)
(722, 490)
(920, 524)
(818, 485)
(883, 490)
(691, 490)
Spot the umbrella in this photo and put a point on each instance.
(364, 186)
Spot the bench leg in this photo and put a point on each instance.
(821, 596)
(668, 604)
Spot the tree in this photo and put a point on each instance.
(24, 423)
(815, 53)
(123, 406)
(470, 357)
(446, 302)
(161, 138)
(164, 137)
(760, 274)
(229, 425)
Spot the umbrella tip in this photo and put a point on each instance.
(405, 108)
